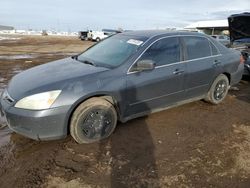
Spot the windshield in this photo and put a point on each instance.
(112, 51)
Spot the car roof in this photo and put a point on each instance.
(155, 33)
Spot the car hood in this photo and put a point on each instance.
(49, 76)
(239, 26)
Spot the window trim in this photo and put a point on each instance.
(210, 44)
(185, 61)
(181, 52)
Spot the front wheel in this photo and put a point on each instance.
(93, 120)
(218, 90)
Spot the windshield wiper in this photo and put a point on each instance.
(84, 61)
(87, 62)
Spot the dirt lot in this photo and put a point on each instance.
(195, 145)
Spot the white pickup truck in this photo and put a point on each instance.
(99, 35)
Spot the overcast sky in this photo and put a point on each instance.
(74, 15)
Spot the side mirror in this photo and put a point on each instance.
(143, 65)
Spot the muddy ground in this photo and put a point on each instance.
(194, 145)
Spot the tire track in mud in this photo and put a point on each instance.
(27, 161)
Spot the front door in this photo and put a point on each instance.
(162, 86)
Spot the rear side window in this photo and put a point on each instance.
(196, 47)
(164, 51)
(213, 49)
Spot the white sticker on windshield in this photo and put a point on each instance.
(135, 42)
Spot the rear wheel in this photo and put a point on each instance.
(94, 119)
(218, 90)
(98, 39)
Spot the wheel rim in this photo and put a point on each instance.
(97, 123)
(220, 90)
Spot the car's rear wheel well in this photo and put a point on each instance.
(228, 76)
(106, 97)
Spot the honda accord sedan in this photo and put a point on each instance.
(125, 76)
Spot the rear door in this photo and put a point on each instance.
(148, 90)
(203, 65)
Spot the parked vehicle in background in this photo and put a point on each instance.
(44, 33)
(223, 39)
(100, 35)
(84, 35)
(239, 28)
(126, 76)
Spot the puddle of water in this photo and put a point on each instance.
(8, 38)
(31, 56)
(2, 86)
(61, 53)
(13, 57)
(16, 71)
(2, 80)
(4, 130)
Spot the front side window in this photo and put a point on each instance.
(164, 51)
(196, 47)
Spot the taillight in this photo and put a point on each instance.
(242, 60)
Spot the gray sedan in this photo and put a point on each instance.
(123, 77)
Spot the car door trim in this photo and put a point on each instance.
(196, 87)
(146, 100)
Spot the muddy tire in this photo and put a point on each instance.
(98, 39)
(93, 120)
(218, 90)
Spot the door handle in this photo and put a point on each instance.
(216, 63)
(178, 71)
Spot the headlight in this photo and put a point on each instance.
(38, 101)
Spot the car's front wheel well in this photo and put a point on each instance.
(109, 98)
(228, 76)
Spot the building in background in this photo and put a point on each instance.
(6, 28)
(211, 27)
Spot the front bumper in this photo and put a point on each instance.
(47, 124)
